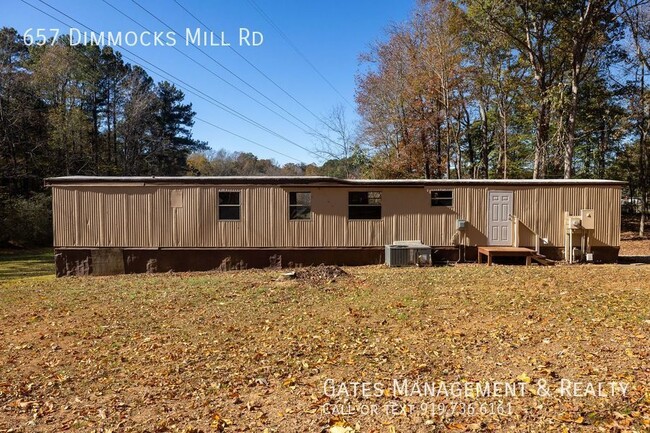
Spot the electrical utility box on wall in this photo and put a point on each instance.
(574, 223)
(587, 219)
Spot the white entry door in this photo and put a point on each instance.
(499, 212)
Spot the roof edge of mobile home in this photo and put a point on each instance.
(312, 180)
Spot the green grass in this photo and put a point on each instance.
(26, 263)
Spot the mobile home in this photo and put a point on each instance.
(105, 225)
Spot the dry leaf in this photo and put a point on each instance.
(341, 429)
(523, 377)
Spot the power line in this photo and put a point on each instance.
(212, 72)
(214, 125)
(313, 131)
(213, 100)
(154, 16)
(295, 48)
(249, 140)
(197, 118)
(249, 62)
(219, 127)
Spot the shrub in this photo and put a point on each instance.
(26, 221)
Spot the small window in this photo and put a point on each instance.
(299, 205)
(364, 205)
(442, 198)
(229, 205)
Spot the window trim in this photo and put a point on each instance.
(299, 205)
(219, 205)
(443, 198)
(356, 205)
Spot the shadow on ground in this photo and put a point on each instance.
(634, 260)
(26, 263)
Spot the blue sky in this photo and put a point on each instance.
(332, 34)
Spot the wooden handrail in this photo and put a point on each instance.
(515, 232)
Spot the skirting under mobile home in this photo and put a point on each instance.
(106, 225)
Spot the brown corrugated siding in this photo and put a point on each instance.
(143, 217)
(542, 210)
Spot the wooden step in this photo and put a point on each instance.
(542, 260)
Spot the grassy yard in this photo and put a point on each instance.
(247, 351)
(26, 263)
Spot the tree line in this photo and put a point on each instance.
(511, 89)
(80, 110)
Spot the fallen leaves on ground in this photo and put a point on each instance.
(320, 274)
(242, 351)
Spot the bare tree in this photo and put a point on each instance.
(337, 140)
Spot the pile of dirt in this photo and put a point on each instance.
(320, 274)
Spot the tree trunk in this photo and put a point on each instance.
(459, 155)
(644, 205)
(114, 120)
(642, 157)
(470, 144)
(504, 148)
(95, 137)
(541, 138)
(438, 150)
(425, 154)
(484, 142)
(603, 144)
(569, 145)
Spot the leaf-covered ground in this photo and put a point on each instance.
(631, 243)
(248, 351)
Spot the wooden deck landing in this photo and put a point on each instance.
(491, 252)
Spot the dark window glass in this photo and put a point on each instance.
(299, 212)
(228, 212)
(442, 198)
(299, 205)
(229, 205)
(228, 197)
(364, 212)
(364, 205)
(357, 198)
(364, 198)
(300, 198)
